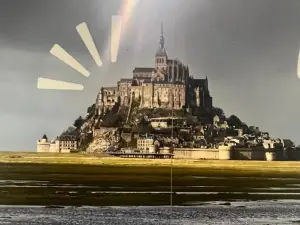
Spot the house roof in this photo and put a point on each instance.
(167, 82)
(147, 81)
(161, 52)
(175, 61)
(142, 70)
(67, 138)
(198, 82)
(125, 80)
(109, 88)
(45, 137)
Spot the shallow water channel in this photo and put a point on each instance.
(258, 212)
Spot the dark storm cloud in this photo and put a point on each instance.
(248, 50)
(31, 24)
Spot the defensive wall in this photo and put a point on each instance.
(236, 154)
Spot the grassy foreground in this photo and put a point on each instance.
(289, 167)
(75, 179)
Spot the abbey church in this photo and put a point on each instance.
(168, 84)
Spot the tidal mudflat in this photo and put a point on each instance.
(36, 179)
(214, 213)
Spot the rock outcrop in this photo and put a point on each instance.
(103, 139)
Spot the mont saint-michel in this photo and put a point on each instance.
(163, 111)
(168, 84)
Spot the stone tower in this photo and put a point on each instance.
(43, 145)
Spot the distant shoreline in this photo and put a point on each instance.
(290, 167)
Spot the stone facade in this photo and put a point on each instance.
(167, 85)
(65, 144)
(167, 122)
(226, 153)
(146, 144)
(104, 138)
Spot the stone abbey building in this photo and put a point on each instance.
(167, 85)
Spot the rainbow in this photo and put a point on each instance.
(126, 12)
(119, 26)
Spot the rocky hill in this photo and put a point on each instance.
(104, 138)
(98, 132)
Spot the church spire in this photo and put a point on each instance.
(162, 39)
(161, 52)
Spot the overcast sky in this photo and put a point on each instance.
(247, 49)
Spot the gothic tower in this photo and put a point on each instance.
(161, 58)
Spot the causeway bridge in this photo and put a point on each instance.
(142, 155)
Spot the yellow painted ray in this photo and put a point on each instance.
(44, 83)
(87, 38)
(64, 56)
(298, 71)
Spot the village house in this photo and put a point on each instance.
(63, 144)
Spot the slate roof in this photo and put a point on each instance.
(67, 138)
(171, 61)
(147, 81)
(109, 88)
(198, 82)
(45, 137)
(161, 52)
(142, 70)
(168, 82)
(125, 80)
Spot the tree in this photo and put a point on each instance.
(70, 131)
(133, 143)
(288, 143)
(111, 120)
(234, 121)
(115, 108)
(218, 111)
(245, 128)
(158, 100)
(91, 109)
(144, 122)
(78, 122)
(184, 109)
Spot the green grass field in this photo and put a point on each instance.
(75, 179)
(291, 167)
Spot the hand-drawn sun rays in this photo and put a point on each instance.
(44, 83)
(86, 37)
(116, 28)
(64, 56)
(298, 69)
